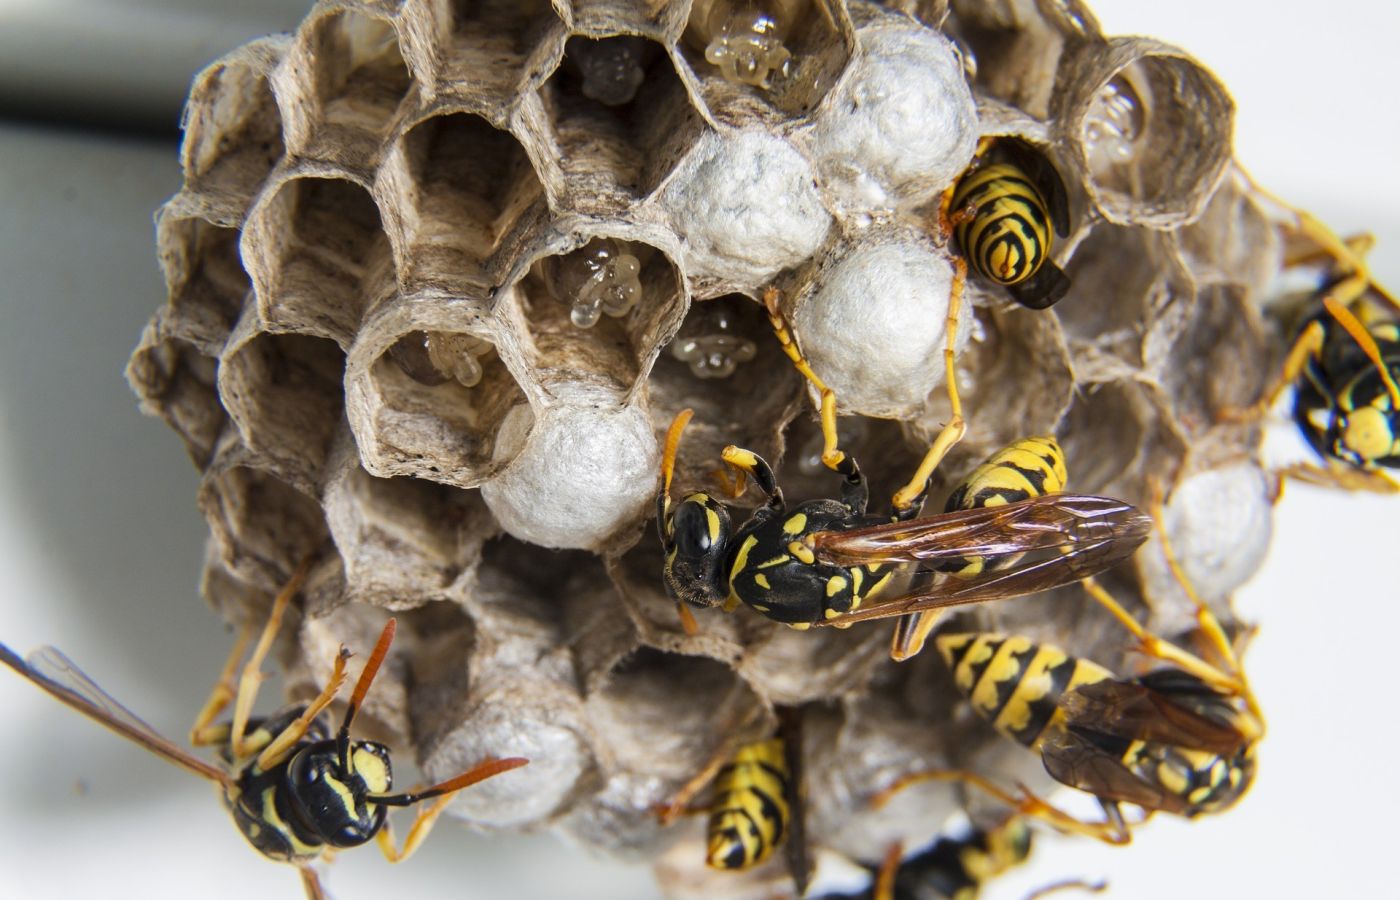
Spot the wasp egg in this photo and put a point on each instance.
(745, 40)
(585, 468)
(436, 357)
(612, 68)
(900, 126)
(600, 277)
(710, 344)
(1115, 121)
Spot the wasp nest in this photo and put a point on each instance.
(442, 272)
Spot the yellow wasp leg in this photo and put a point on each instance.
(955, 427)
(1027, 804)
(1307, 346)
(883, 886)
(417, 832)
(1337, 475)
(252, 676)
(1092, 887)
(680, 801)
(201, 734)
(277, 750)
(832, 456)
(310, 883)
(910, 634)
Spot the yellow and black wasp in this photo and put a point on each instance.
(296, 791)
(1180, 739)
(1004, 212)
(757, 802)
(1344, 366)
(828, 562)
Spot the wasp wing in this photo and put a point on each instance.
(51, 670)
(1138, 712)
(1075, 760)
(1061, 539)
(798, 860)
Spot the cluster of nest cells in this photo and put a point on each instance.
(443, 272)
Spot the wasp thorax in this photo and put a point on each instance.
(711, 344)
(746, 39)
(599, 277)
(436, 357)
(612, 68)
(1116, 121)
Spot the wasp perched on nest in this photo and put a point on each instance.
(820, 562)
(295, 791)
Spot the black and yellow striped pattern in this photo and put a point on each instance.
(1008, 234)
(1015, 683)
(1023, 469)
(751, 812)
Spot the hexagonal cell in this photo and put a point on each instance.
(495, 46)
(1014, 379)
(1016, 50)
(1116, 436)
(776, 58)
(594, 313)
(616, 148)
(1146, 277)
(233, 129)
(1148, 127)
(263, 527)
(411, 417)
(284, 392)
(1214, 362)
(405, 541)
(177, 382)
(356, 79)
(318, 256)
(468, 185)
(205, 277)
(726, 365)
(384, 715)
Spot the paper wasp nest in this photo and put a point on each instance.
(442, 272)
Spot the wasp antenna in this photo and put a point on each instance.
(381, 649)
(488, 769)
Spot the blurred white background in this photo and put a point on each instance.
(100, 542)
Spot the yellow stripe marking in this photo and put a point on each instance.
(795, 524)
(803, 553)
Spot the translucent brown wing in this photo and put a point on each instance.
(51, 670)
(798, 862)
(1136, 711)
(1061, 539)
(1047, 522)
(1074, 760)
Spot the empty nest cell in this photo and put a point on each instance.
(177, 382)
(494, 46)
(1015, 49)
(594, 313)
(263, 527)
(205, 278)
(284, 392)
(358, 79)
(319, 256)
(468, 184)
(617, 137)
(233, 129)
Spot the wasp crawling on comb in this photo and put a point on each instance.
(297, 792)
(1180, 739)
(829, 562)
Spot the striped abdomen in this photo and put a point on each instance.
(1014, 683)
(1008, 234)
(1023, 469)
(750, 814)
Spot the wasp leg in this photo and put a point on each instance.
(427, 815)
(1307, 347)
(912, 631)
(311, 883)
(680, 804)
(882, 888)
(281, 745)
(854, 493)
(252, 677)
(908, 498)
(753, 465)
(1112, 831)
(422, 824)
(203, 733)
(1344, 477)
(1092, 887)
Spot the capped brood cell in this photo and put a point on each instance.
(318, 255)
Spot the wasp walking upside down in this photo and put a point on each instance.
(297, 791)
